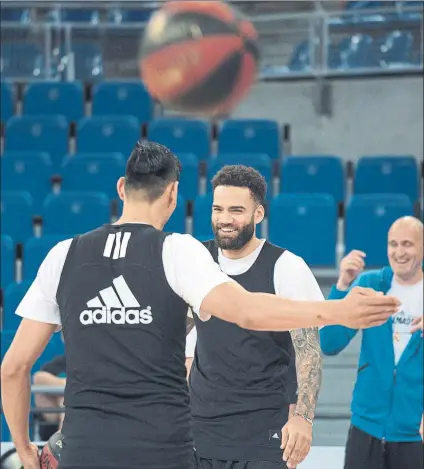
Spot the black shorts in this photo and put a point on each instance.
(216, 464)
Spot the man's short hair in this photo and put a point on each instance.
(242, 176)
(151, 167)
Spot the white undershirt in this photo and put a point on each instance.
(411, 297)
(292, 279)
(189, 268)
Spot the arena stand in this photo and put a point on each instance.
(72, 107)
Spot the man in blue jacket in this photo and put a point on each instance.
(387, 405)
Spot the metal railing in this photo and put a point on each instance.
(313, 44)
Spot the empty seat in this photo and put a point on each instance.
(85, 63)
(15, 15)
(5, 433)
(22, 61)
(35, 250)
(313, 175)
(130, 99)
(396, 49)
(55, 98)
(202, 212)
(91, 172)
(189, 179)
(108, 134)
(130, 16)
(182, 136)
(6, 340)
(261, 163)
(25, 171)
(387, 174)
(7, 261)
(75, 15)
(177, 222)
(306, 224)
(75, 212)
(16, 215)
(250, 136)
(7, 106)
(38, 134)
(300, 60)
(361, 53)
(12, 297)
(368, 219)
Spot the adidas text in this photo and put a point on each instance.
(105, 315)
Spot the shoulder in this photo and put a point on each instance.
(291, 263)
(376, 278)
(58, 253)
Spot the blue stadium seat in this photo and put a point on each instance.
(202, 212)
(129, 99)
(361, 53)
(25, 171)
(6, 340)
(108, 134)
(182, 136)
(35, 250)
(260, 162)
(55, 98)
(189, 179)
(7, 261)
(7, 106)
(313, 175)
(75, 15)
(16, 215)
(300, 60)
(250, 136)
(177, 222)
(75, 212)
(397, 49)
(15, 15)
(368, 219)
(5, 432)
(387, 174)
(87, 61)
(130, 16)
(22, 60)
(362, 5)
(38, 134)
(306, 224)
(92, 172)
(13, 295)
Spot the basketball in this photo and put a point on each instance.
(50, 454)
(199, 57)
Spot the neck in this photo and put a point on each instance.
(413, 280)
(142, 213)
(244, 251)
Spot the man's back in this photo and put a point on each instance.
(124, 330)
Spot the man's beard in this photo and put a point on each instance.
(238, 242)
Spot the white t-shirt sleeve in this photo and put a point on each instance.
(191, 343)
(190, 269)
(294, 279)
(39, 303)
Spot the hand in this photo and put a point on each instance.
(350, 267)
(29, 457)
(296, 440)
(417, 325)
(364, 307)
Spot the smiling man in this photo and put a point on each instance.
(387, 404)
(243, 383)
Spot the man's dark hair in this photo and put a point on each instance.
(242, 176)
(151, 167)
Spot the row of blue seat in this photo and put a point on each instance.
(304, 223)
(33, 172)
(68, 99)
(105, 134)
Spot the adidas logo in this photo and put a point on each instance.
(115, 305)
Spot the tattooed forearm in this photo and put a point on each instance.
(308, 368)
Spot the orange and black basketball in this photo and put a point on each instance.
(199, 56)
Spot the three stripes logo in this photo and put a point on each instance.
(115, 305)
(115, 247)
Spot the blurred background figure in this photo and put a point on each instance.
(387, 405)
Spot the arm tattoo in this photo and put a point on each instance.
(308, 368)
(190, 325)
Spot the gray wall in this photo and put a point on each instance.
(369, 116)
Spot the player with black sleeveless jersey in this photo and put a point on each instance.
(121, 294)
(242, 383)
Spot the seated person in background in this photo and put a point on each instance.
(53, 374)
(387, 405)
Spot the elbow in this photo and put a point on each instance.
(11, 371)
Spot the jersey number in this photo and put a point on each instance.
(116, 245)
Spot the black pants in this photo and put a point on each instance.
(215, 464)
(366, 452)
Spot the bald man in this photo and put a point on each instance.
(387, 404)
